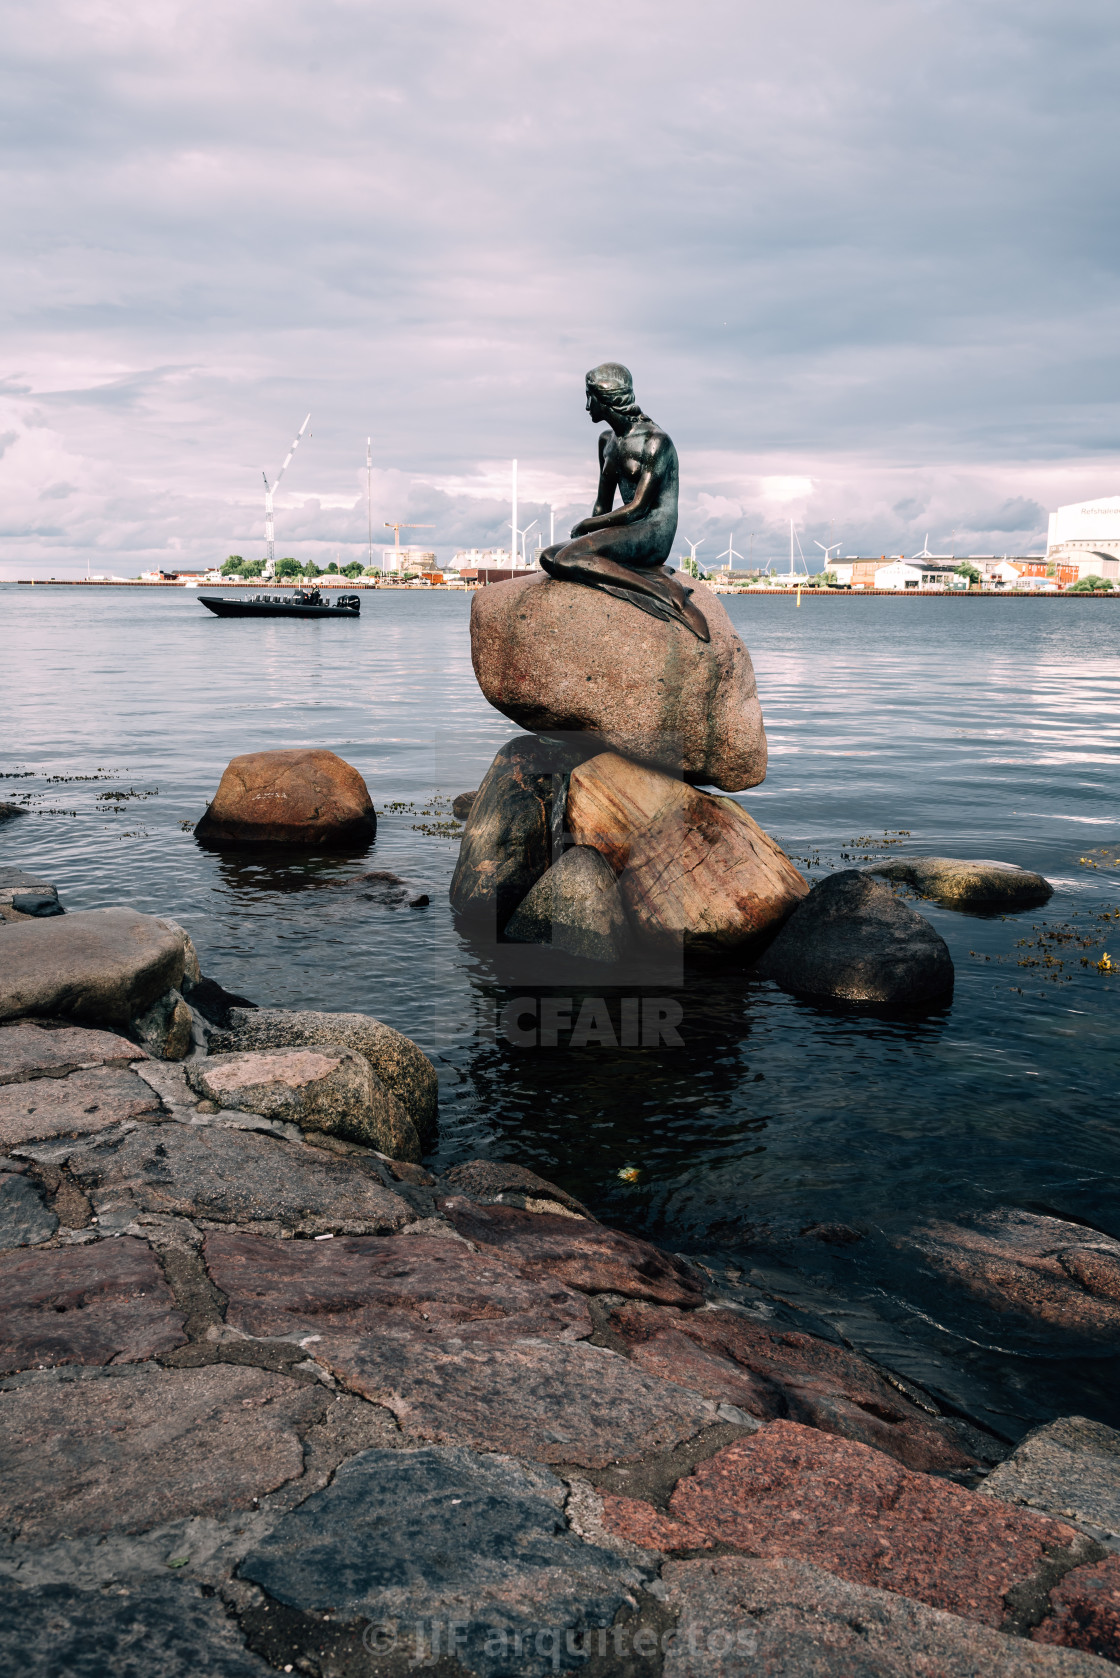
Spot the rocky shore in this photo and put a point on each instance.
(277, 1398)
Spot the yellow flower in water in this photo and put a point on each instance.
(1105, 965)
(629, 1174)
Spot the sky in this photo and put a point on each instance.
(860, 258)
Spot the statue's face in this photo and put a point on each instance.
(595, 406)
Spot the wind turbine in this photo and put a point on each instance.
(729, 552)
(828, 550)
(269, 525)
(523, 534)
(692, 552)
(925, 553)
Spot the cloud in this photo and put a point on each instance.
(870, 250)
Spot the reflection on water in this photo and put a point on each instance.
(971, 729)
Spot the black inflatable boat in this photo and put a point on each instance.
(300, 603)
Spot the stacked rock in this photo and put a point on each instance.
(591, 832)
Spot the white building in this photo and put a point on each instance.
(916, 574)
(469, 559)
(1086, 534)
(407, 559)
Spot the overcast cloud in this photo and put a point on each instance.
(860, 257)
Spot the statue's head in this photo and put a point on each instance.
(610, 390)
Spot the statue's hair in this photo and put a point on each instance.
(614, 386)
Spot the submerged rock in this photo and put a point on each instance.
(301, 796)
(552, 655)
(462, 804)
(852, 940)
(402, 1068)
(97, 964)
(574, 907)
(962, 884)
(8, 812)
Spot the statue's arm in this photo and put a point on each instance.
(645, 500)
(604, 500)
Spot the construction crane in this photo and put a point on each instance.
(396, 529)
(269, 525)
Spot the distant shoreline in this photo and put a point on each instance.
(470, 588)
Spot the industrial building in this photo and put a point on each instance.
(1086, 536)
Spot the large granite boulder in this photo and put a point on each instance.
(302, 796)
(553, 655)
(574, 907)
(852, 940)
(507, 840)
(97, 964)
(693, 869)
(961, 884)
(403, 1069)
(328, 1088)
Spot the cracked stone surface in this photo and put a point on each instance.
(776, 1374)
(234, 1176)
(28, 1050)
(1070, 1469)
(582, 1255)
(79, 1105)
(383, 1286)
(102, 1302)
(1086, 1611)
(129, 1448)
(552, 1400)
(788, 1619)
(151, 1626)
(24, 1216)
(790, 1491)
(476, 1540)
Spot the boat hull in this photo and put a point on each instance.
(348, 607)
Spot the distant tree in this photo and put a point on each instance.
(1090, 585)
(232, 566)
(354, 569)
(332, 569)
(828, 579)
(311, 569)
(287, 568)
(252, 567)
(964, 569)
(372, 571)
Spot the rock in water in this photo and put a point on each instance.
(298, 797)
(507, 841)
(553, 655)
(964, 885)
(98, 964)
(693, 869)
(853, 941)
(574, 907)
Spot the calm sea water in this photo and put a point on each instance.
(982, 729)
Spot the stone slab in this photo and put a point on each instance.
(29, 1051)
(790, 1491)
(488, 1179)
(395, 1284)
(402, 1067)
(788, 1619)
(101, 965)
(234, 1176)
(135, 1630)
(782, 1374)
(14, 881)
(477, 1541)
(132, 1448)
(581, 1255)
(1026, 1265)
(1070, 1469)
(1085, 1611)
(78, 1105)
(556, 655)
(552, 1400)
(24, 1217)
(100, 1302)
